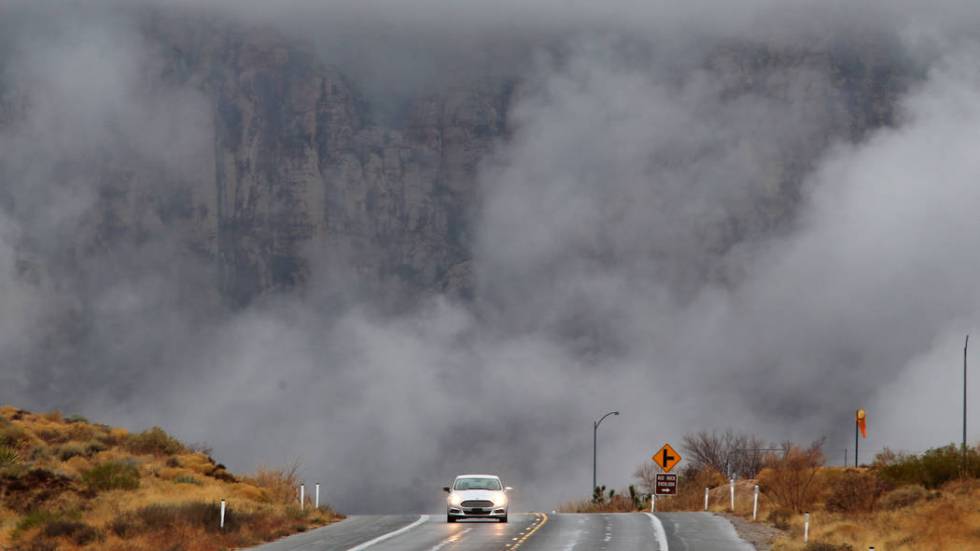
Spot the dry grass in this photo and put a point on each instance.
(949, 520)
(69, 484)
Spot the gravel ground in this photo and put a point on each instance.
(758, 534)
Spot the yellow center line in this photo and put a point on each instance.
(542, 520)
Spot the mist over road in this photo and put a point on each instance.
(526, 531)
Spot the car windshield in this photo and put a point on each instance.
(491, 484)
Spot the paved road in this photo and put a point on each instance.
(525, 532)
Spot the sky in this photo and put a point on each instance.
(653, 236)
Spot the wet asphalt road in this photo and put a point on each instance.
(526, 532)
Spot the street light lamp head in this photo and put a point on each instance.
(615, 413)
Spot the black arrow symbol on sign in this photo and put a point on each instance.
(668, 458)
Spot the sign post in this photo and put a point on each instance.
(667, 458)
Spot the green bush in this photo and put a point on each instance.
(931, 469)
(75, 418)
(154, 441)
(112, 475)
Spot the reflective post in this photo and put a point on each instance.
(731, 492)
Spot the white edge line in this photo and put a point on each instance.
(658, 529)
(389, 535)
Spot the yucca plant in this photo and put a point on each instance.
(8, 457)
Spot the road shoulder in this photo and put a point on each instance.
(760, 535)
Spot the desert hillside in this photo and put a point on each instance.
(67, 483)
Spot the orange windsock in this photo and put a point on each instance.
(862, 422)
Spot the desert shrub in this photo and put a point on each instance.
(112, 475)
(68, 451)
(13, 437)
(173, 462)
(827, 547)
(220, 473)
(8, 457)
(154, 441)
(185, 479)
(854, 491)
(78, 532)
(36, 519)
(51, 436)
(81, 432)
(75, 418)
(931, 469)
(904, 496)
(39, 544)
(788, 477)
(39, 453)
(93, 447)
(279, 484)
(780, 518)
(164, 518)
(54, 416)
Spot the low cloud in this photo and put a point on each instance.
(667, 230)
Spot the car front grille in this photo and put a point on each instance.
(478, 503)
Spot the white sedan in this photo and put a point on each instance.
(477, 496)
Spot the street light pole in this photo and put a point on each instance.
(595, 446)
(966, 345)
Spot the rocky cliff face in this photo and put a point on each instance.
(298, 170)
(301, 168)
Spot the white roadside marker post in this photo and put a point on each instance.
(222, 522)
(731, 492)
(302, 495)
(653, 503)
(806, 527)
(706, 499)
(317, 496)
(755, 502)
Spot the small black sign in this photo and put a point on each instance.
(666, 484)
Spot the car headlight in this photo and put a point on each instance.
(500, 500)
(454, 500)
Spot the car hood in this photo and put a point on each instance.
(465, 495)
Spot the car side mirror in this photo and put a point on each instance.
(507, 489)
(445, 489)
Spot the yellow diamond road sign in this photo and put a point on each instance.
(667, 458)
